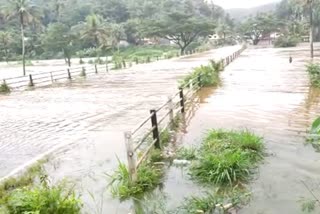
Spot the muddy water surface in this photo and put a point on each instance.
(262, 92)
(86, 120)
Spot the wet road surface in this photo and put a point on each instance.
(262, 92)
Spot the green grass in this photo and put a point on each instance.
(209, 75)
(31, 193)
(314, 134)
(165, 137)
(314, 73)
(4, 88)
(213, 202)
(186, 153)
(26, 179)
(148, 178)
(43, 200)
(227, 158)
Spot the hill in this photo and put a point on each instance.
(242, 13)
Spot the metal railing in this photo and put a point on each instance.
(161, 120)
(49, 78)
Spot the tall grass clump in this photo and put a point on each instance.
(4, 88)
(148, 177)
(314, 73)
(227, 158)
(43, 200)
(209, 76)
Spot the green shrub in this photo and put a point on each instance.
(227, 157)
(4, 88)
(314, 73)
(209, 76)
(286, 41)
(148, 177)
(43, 200)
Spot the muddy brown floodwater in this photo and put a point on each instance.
(263, 92)
(86, 121)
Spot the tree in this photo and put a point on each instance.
(94, 30)
(26, 12)
(60, 39)
(5, 41)
(180, 28)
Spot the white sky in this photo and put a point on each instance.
(241, 3)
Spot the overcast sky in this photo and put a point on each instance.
(241, 3)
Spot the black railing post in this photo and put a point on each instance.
(181, 99)
(96, 68)
(69, 74)
(155, 132)
(199, 80)
(31, 84)
(107, 68)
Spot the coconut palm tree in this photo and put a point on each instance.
(94, 30)
(26, 12)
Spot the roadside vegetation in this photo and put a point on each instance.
(32, 193)
(4, 88)
(314, 72)
(286, 41)
(149, 176)
(209, 75)
(227, 158)
(225, 161)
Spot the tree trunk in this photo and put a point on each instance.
(23, 45)
(311, 29)
(182, 49)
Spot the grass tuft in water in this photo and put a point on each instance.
(4, 88)
(83, 72)
(148, 177)
(227, 158)
(186, 153)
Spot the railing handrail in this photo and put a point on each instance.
(174, 109)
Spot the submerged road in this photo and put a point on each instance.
(263, 92)
(86, 119)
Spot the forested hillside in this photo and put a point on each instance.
(65, 28)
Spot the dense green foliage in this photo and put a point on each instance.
(51, 29)
(43, 200)
(291, 21)
(314, 73)
(32, 193)
(286, 41)
(227, 157)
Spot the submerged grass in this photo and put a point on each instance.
(227, 158)
(214, 202)
(314, 134)
(4, 88)
(31, 193)
(148, 177)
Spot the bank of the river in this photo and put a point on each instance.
(263, 92)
